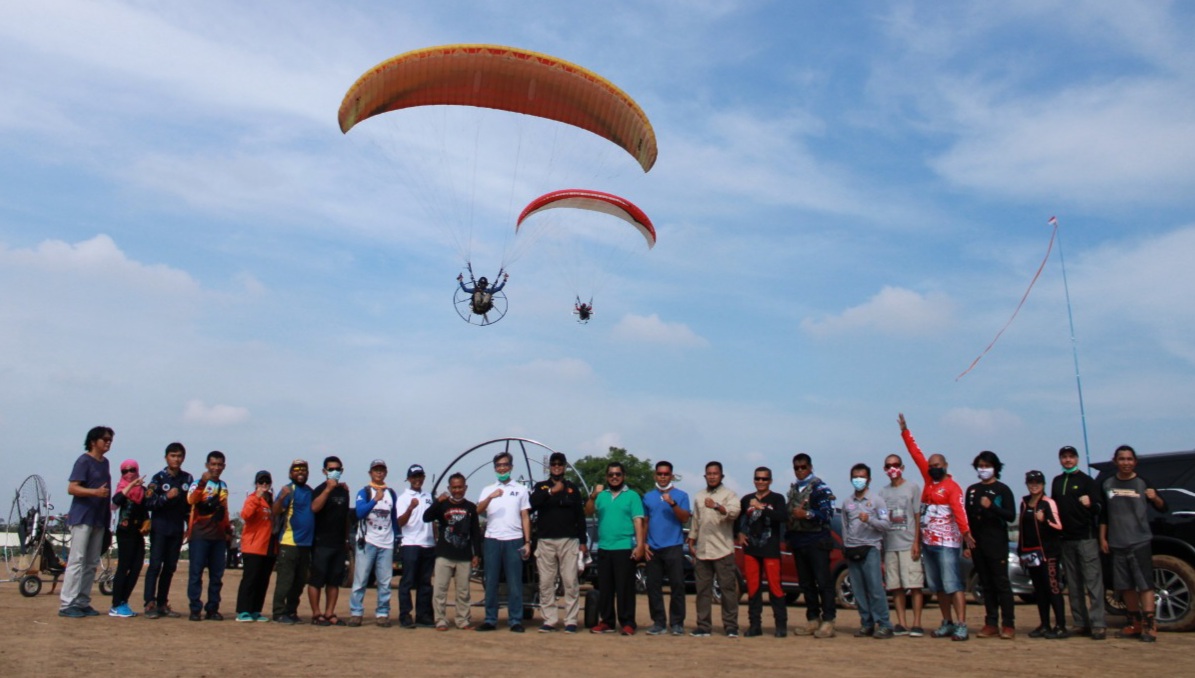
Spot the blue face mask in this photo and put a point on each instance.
(859, 484)
(334, 475)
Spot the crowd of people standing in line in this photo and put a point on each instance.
(900, 539)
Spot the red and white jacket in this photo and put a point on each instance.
(943, 516)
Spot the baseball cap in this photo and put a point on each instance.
(376, 463)
(1067, 449)
(415, 470)
(263, 477)
(1035, 477)
(557, 457)
(299, 462)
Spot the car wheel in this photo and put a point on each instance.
(844, 593)
(1174, 586)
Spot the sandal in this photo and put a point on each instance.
(320, 620)
(333, 620)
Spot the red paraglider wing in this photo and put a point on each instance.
(503, 78)
(579, 198)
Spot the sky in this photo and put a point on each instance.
(850, 201)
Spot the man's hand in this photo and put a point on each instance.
(1151, 494)
(900, 419)
(331, 484)
(475, 562)
(757, 504)
(1085, 501)
(800, 513)
(666, 497)
(557, 487)
(172, 493)
(985, 502)
(637, 552)
(710, 503)
(102, 491)
(460, 278)
(414, 503)
(1104, 546)
(969, 540)
(207, 475)
(864, 517)
(597, 489)
(916, 551)
(261, 489)
(378, 492)
(496, 493)
(285, 492)
(741, 539)
(444, 496)
(1040, 515)
(647, 554)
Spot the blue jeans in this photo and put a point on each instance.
(867, 579)
(942, 568)
(418, 565)
(212, 554)
(504, 556)
(381, 561)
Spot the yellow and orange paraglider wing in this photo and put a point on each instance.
(507, 79)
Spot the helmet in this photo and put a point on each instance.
(482, 281)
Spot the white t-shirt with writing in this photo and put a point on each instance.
(379, 531)
(416, 532)
(504, 520)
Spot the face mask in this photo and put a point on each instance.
(894, 473)
(556, 478)
(937, 474)
(334, 475)
(985, 473)
(664, 488)
(859, 484)
(503, 477)
(1069, 471)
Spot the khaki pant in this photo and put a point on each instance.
(446, 571)
(558, 557)
(705, 571)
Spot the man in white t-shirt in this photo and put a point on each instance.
(418, 552)
(506, 506)
(377, 525)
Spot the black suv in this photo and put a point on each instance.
(1173, 475)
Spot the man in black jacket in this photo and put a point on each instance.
(559, 509)
(1078, 500)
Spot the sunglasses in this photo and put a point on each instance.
(800, 467)
(891, 465)
(338, 468)
(128, 470)
(613, 475)
(762, 479)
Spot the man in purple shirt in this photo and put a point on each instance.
(90, 486)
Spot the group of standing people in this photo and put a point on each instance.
(901, 539)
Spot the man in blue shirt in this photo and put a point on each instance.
(294, 544)
(90, 486)
(667, 510)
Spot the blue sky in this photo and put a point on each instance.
(850, 201)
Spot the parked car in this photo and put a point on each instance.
(1173, 475)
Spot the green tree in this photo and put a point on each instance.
(640, 472)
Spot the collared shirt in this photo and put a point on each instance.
(616, 515)
(416, 532)
(663, 527)
(504, 515)
(712, 531)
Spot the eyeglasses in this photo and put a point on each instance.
(614, 474)
(556, 463)
(663, 473)
(800, 467)
(502, 465)
(762, 479)
(128, 470)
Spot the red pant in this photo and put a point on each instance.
(751, 572)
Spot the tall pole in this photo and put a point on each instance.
(1074, 344)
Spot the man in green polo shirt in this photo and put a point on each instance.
(622, 537)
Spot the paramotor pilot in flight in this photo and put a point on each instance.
(482, 293)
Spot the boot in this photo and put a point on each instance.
(1133, 629)
(755, 611)
(826, 630)
(1149, 628)
(780, 615)
(809, 629)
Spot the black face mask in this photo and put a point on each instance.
(937, 474)
(556, 478)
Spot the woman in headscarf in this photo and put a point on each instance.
(131, 515)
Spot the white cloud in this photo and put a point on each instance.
(198, 412)
(893, 311)
(97, 260)
(980, 423)
(650, 328)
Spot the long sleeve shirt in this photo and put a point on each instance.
(711, 531)
(856, 532)
(943, 516)
(560, 515)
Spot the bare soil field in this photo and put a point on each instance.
(37, 641)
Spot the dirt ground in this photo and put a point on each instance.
(36, 640)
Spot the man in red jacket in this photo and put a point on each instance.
(944, 531)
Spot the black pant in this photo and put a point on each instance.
(1048, 590)
(418, 565)
(292, 565)
(668, 561)
(813, 571)
(255, 579)
(991, 564)
(163, 561)
(616, 585)
(130, 554)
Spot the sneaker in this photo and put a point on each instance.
(753, 632)
(960, 632)
(355, 621)
(943, 631)
(1099, 634)
(406, 623)
(899, 630)
(487, 627)
(732, 634)
(570, 628)
(214, 616)
(678, 630)
(169, 612)
(1081, 631)
(916, 632)
(1008, 633)
(700, 633)
(809, 629)
(516, 628)
(628, 630)
(122, 611)
(1050, 634)
(882, 633)
(72, 612)
(826, 630)
(547, 628)
(151, 611)
(383, 622)
(441, 627)
(988, 631)
(284, 619)
(602, 627)
(864, 632)
(259, 617)
(1039, 632)
(1061, 633)
(90, 611)
(656, 630)
(245, 617)
(195, 616)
